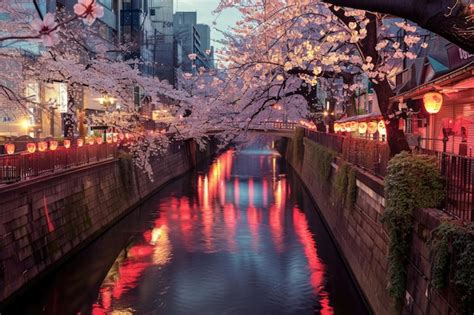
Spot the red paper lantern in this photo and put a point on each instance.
(67, 143)
(109, 139)
(114, 137)
(42, 146)
(372, 127)
(10, 148)
(31, 147)
(433, 102)
(80, 142)
(99, 140)
(90, 140)
(53, 145)
(121, 136)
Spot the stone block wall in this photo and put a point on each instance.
(46, 219)
(363, 240)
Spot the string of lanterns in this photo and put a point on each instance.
(362, 127)
(53, 145)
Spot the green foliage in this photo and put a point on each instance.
(351, 196)
(126, 171)
(341, 181)
(298, 146)
(322, 157)
(345, 188)
(453, 261)
(412, 182)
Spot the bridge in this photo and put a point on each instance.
(25, 161)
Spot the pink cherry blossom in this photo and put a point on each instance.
(88, 10)
(47, 29)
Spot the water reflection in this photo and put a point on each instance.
(232, 238)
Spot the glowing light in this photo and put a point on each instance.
(10, 148)
(25, 124)
(362, 127)
(99, 140)
(80, 142)
(372, 127)
(90, 140)
(115, 138)
(42, 146)
(433, 102)
(31, 147)
(381, 127)
(337, 127)
(109, 139)
(67, 143)
(53, 145)
(354, 126)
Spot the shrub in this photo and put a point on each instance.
(412, 182)
(452, 249)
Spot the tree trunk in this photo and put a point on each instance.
(395, 138)
(451, 19)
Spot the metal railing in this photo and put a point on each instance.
(458, 172)
(329, 140)
(280, 125)
(373, 156)
(22, 166)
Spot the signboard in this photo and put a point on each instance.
(62, 98)
(458, 57)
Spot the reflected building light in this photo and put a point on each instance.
(251, 192)
(316, 267)
(265, 192)
(236, 192)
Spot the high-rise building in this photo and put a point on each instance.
(194, 39)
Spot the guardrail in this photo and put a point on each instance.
(458, 172)
(22, 166)
(373, 156)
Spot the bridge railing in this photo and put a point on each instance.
(274, 125)
(23, 165)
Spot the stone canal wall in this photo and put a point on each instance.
(45, 220)
(361, 237)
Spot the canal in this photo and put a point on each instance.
(237, 236)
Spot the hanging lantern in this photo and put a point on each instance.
(121, 136)
(372, 127)
(53, 145)
(42, 146)
(80, 142)
(354, 126)
(337, 127)
(127, 136)
(90, 140)
(114, 137)
(362, 127)
(10, 148)
(67, 143)
(433, 102)
(31, 147)
(99, 140)
(109, 139)
(381, 128)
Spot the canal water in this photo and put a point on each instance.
(237, 236)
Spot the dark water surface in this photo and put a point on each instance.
(239, 236)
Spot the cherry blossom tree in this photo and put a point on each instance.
(282, 49)
(67, 48)
(452, 19)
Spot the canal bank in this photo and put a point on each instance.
(352, 202)
(46, 220)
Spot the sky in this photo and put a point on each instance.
(204, 10)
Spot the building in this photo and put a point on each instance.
(448, 71)
(194, 39)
